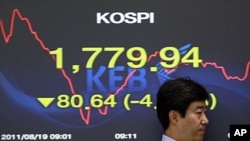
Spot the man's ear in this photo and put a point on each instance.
(173, 116)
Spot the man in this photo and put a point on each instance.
(181, 110)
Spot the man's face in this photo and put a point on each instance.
(192, 126)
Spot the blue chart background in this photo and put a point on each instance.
(220, 29)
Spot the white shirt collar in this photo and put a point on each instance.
(166, 138)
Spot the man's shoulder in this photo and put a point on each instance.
(166, 138)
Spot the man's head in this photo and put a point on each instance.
(181, 109)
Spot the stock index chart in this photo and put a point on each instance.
(90, 70)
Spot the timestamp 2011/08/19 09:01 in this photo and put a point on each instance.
(25, 137)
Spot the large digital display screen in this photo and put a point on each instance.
(90, 70)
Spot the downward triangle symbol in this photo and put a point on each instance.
(46, 101)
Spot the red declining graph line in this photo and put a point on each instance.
(86, 119)
(6, 37)
(223, 70)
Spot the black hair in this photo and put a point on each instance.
(177, 95)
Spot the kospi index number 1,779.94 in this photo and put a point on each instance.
(137, 56)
